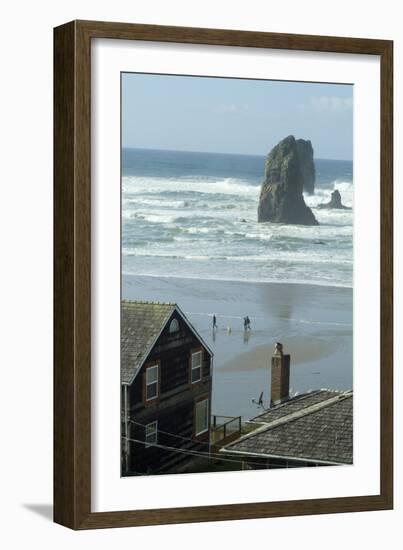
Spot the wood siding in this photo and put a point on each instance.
(173, 408)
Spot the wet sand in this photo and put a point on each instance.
(296, 346)
(313, 322)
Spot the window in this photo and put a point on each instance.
(196, 366)
(151, 382)
(201, 421)
(174, 326)
(151, 437)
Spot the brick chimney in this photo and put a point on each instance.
(280, 376)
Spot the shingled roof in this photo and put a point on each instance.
(141, 324)
(313, 427)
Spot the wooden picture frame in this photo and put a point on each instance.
(72, 271)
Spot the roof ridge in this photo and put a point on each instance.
(148, 302)
(266, 426)
(300, 397)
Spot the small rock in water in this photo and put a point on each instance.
(335, 202)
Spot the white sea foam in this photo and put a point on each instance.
(154, 202)
(157, 185)
(213, 276)
(322, 194)
(203, 227)
(277, 257)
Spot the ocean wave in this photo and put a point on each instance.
(208, 228)
(158, 217)
(276, 256)
(200, 230)
(310, 233)
(154, 185)
(322, 194)
(154, 202)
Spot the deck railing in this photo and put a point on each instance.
(224, 427)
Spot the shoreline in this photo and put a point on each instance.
(313, 322)
(238, 281)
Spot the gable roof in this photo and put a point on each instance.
(141, 325)
(313, 427)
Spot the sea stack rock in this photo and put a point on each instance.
(335, 202)
(305, 153)
(281, 199)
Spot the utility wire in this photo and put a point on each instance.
(171, 434)
(216, 455)
(188, 451)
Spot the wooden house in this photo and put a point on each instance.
(166, 381)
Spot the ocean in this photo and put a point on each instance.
(194, 216)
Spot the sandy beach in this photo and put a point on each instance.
(313, 322)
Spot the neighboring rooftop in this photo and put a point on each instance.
(315, 427)
(141, 324)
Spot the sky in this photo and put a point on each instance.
(230, 115)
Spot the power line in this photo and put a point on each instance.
(207, 455)
(184, 451)
(217, 455)
(170, 433)
(189, 452)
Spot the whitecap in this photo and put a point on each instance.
(158, 185)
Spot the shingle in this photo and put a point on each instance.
(295, 404)
(141, 323)
(324, 434)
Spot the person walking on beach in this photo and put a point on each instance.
(214, 321)
(247, 322)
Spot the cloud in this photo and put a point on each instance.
(332, 104)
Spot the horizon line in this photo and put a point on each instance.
(220, 153)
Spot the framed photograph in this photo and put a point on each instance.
(222, 275)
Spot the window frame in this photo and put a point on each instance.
(146, 384)
(198, 404)
(200, 367)
(174, 321)
(148, 444)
